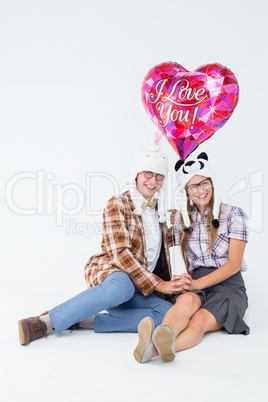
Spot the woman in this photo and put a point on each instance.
(212, 237)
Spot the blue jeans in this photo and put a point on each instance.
(126, 306)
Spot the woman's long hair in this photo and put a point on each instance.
(211, 230)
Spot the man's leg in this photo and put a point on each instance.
(116, 289)
(127, 316)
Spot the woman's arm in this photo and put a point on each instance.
(231, 267)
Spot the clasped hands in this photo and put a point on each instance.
(181, 283)
(178, 284)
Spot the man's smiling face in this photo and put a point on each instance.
(147, 187)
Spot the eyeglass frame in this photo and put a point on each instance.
(151, 174)
(197, 185)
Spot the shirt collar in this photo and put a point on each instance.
(196, 215)
(140, 199)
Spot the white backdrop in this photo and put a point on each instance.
(72, 120)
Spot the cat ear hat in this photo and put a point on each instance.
(152, 159)
(187, 169)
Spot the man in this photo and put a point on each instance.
(133, 264)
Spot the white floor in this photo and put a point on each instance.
(71, 113)
(86, 366)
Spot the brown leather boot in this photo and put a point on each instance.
(73, 327)
(31, 328)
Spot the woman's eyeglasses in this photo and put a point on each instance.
(205, 185)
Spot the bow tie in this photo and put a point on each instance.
(151, 204)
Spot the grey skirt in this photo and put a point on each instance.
(227, 301)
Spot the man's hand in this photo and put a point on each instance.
(164, 287)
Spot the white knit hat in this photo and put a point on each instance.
(152, 159)
(187, 169)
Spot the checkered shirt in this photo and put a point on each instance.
(124, 246)
(233, 224)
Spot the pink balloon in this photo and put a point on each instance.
(189, 107)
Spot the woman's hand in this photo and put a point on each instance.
(172, 215)
(181, 283)
(195, 284)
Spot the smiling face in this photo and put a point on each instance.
(147, 187)
(200, 195)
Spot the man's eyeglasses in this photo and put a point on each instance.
(158, 177)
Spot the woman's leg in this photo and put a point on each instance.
(178, 317)
(180, 314)
(200, 323)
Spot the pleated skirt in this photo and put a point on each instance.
(227, 301)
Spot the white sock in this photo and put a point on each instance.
(88, 323)
(46, 319)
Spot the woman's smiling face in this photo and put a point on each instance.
(202, 194)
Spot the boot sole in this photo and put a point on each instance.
(164, 341)
(144, 350)
(21, 334)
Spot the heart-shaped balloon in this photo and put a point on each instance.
(189, 106)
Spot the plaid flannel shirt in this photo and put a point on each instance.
(233, 224)
(124, 247)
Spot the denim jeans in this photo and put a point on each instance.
(125, 304)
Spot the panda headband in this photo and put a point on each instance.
(185, 170)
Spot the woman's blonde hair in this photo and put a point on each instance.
(211, 230)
